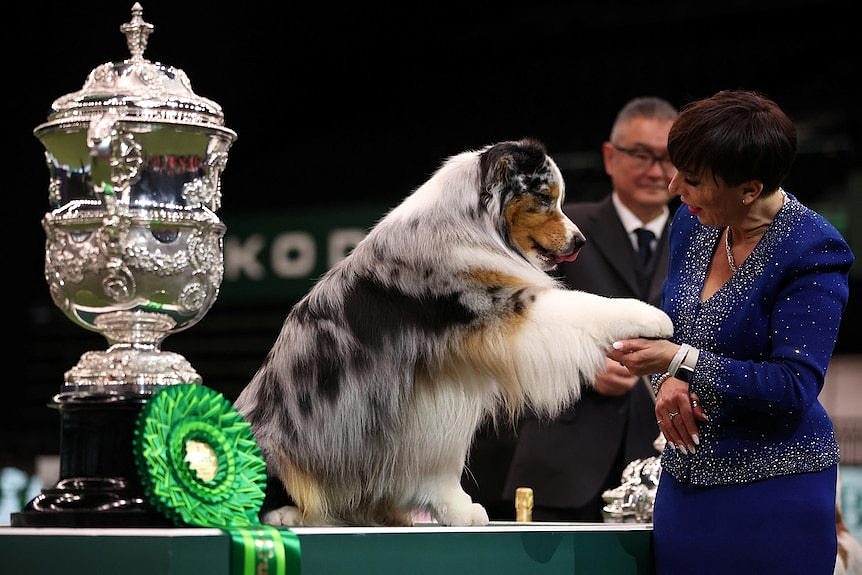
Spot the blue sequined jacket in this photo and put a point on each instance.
(765, 339)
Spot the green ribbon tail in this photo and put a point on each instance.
(264, 550)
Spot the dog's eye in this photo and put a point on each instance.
(544, 200)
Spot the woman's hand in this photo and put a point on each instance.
(677, 412)
(643, 356)
(615, 380)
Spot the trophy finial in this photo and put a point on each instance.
(137, 31)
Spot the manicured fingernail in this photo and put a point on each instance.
(681, 447)
(672, 446)
(695, 438)
(617, 345)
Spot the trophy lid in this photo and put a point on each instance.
(137, 89)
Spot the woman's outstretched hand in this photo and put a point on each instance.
(643, 356)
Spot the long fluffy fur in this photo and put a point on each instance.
(367, 403)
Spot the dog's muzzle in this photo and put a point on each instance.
(571, 252)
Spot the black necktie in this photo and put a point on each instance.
(645, 238)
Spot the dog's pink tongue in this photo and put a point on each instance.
(569, 258)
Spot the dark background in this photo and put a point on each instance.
(340, 105)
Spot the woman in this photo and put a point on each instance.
(756, 287)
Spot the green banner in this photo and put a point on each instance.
(277, 257)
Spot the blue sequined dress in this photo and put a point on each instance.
(758, 496)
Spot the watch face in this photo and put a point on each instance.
(684, 373)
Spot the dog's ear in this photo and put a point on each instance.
(507, 169)
(494, 168)
(496, 181)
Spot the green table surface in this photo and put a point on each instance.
(498, 549)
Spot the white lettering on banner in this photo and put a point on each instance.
(342, 242)
(293, 254)
(241, 258)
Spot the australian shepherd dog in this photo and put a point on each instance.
(368, 401)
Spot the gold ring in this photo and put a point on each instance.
(694, 404)
(674, 414)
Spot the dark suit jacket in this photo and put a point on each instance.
(571, 459)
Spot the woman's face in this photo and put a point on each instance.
(713, 202)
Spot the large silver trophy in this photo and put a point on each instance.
(134, 252)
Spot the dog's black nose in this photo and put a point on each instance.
(578, 241)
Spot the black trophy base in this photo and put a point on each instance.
(99, 485)
(89, 502)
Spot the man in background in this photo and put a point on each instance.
(570, 461)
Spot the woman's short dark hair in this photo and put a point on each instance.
(735, 135)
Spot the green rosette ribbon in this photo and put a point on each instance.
(200, 465)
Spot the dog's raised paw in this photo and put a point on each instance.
(288, 516)
(647, 320)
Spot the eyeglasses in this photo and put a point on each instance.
(644, 158)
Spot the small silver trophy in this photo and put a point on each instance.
(634, 499)
(134, 252)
